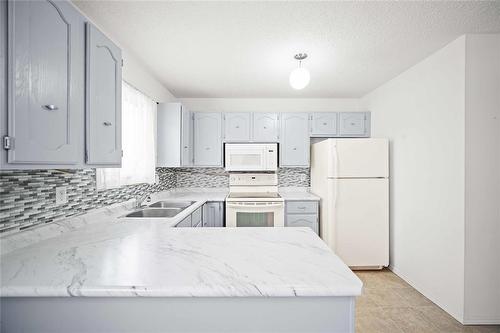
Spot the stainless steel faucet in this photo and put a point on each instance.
(139, 200)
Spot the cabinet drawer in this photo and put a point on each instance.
(196, 217)
(186, 223)
(302, 207)
(299, 220)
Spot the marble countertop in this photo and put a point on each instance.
(101, 254)
(151, 259)
(297, 194)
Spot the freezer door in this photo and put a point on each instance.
(359, 158)
(361, 221)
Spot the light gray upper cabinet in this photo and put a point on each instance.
(213, 214)
(174, 135)
(63, 89)
(354, 124)
(265, 127)
(237, 126)
(324, 124)
(45, 83)
(294, 140)
(103, 107)
(207, 139)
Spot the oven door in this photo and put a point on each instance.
(254, 214)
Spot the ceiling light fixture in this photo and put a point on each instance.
(300, 77)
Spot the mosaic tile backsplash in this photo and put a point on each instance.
(27, 197)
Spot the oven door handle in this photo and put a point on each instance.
(260, 205)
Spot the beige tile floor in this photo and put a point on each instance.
(389, 304)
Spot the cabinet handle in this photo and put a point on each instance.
(185, 147)
(106, 123)
(50, 107)
(265, 127)
(294, 148)
(237, 127)
(324, 124)
(301, 207)
(207, 148)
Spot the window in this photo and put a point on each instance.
(138, 142)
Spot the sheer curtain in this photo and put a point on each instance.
(138, 142)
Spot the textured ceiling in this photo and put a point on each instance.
(245, 49)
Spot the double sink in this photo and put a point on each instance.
(161, 209)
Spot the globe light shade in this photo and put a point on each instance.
(299, 78)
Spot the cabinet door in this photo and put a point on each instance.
(354, 124)
(186, 223)
(294, 140)
(45, 82)
(104, 95)
(196, 217)
(265, 127)
(187, 137)
(324, 124)
(207, 139)
(310, 221)
(213, 214)
(237, 126)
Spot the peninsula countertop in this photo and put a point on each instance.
(151, 259)
(102, 255)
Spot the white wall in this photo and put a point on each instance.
(422, 113)
(272, 104)
(482, 174)
(135, 73)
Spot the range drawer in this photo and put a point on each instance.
(300, 220)
(302, 207)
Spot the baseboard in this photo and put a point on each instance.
(396, 271)
(482, 321)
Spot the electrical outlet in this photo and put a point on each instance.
(61, 195)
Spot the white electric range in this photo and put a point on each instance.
(254, 201)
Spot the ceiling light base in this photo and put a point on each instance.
(300, 56)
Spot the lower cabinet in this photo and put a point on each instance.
(302, 214)
(193, 220)
(210, 214)
(213, 214)
(186, 223)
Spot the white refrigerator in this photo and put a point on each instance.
(352, 178)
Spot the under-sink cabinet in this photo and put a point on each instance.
(213, 214)
(191, 221)
(302, 214)
(54, 68)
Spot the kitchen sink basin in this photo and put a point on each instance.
(155, 212)
(172, 204)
